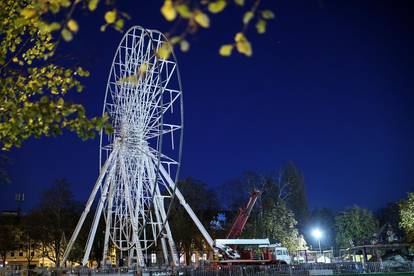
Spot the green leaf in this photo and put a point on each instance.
(60, 103)
(184, 11)
(217, 7)
(164, 51)
(268, 14)
(67, 35)
(175, 39)
(226, 50)
(184, 45)
(93, 4)
(119, 24)
(247, 17)
(261, 26)
(110, 16)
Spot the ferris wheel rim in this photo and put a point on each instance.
(181, 115)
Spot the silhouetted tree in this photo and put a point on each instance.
(204, 203)
(292, 190)
(54, 219)
(8, 236)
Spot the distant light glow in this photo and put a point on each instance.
(317, 233)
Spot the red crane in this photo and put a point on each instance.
(243, 216)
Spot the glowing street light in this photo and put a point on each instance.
(317, 234)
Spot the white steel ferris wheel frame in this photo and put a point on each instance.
(140, 160)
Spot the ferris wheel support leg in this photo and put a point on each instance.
(135, 238)
(171, 243)
(87, 208)
(97, 217)
(163, 242)
(187, 207)
(108, 222)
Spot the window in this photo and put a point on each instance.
(21, 254)
(12, 254)
(32, 253)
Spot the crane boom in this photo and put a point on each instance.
(242, 217)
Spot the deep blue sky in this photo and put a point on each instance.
(330, 88)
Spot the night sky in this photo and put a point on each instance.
(330, 87)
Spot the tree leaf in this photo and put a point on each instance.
(164, 51)
(53, 26)
(93, 4)
(119, 24)
(226, 50)
(60, 103)
(268, 14)
(67, 35)
(184, 45)
(261, 26)
(184, 11)
(247, 17)
(28, 12)
(243, 45)
(239, 37)
(175, 39)
(168, 10)
(217, 7)
(110, 16)
(239, 2)
(73, 25)
(202, 19)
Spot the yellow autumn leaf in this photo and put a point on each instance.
(73, 25)
(28, 12)
(261, 26)
(93, 4)
(168, 10)
(184, 45)
(175, 39)
(119, 24)
(53, 26)
(218, 6)
(129, 79)
(244, 47)
(239, 2)
(202, 19)
(110, 16)
(184, 11)
(247, 17)
(60, 103)
(239, 37)
(164, 51)
(268, 14)
(67, 35)
(226, 50)
(142, 69)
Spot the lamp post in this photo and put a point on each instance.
(317, 234)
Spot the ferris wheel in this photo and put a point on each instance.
(140, 157)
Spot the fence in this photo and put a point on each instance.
(345, 269)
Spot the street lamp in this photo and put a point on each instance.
(317, 234)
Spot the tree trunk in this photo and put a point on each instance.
(4, 257)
